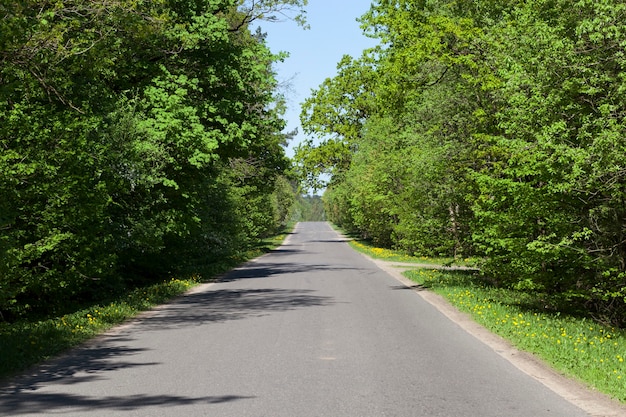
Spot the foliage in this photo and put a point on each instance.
(30, 340)
(139, 138)
(309, 208)
(336, 113)
(549, 181)
(576, 346)
(485, 128)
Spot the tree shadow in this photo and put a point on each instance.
(414, 287)
(41, 391)
(223, 305)
(284, 251)
(80, 365)
(337, 240)
(268, 269)
(85, 365)
(53, 403)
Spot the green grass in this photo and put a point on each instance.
(389, 255)
(577, 346)
(28, 342)
(367, 248)
(573, 344)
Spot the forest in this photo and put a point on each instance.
(144, 139)
(486, 130)
(140, 140)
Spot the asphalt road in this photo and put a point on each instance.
(313, 329)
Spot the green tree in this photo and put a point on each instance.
(406, 184)
(493, 128)
(121, 124)
(336, 113)
(556, 219)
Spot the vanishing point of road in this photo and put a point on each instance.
(311, 329)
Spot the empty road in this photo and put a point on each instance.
(312, 329)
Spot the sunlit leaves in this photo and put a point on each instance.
(507, 124)
(121, 120)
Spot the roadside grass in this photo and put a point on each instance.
(573, 344)
(367, 248)
(576, 346)
(390, 255)
(27, 342)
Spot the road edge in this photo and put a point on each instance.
(593, 402)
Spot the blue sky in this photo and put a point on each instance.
(314, 53)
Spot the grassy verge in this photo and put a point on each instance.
(573, 344)
(576, 346)
(28, 342)
(390, 255)
(370, 250)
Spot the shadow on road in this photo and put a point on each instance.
(415, 287)
(264, 270)
(81, 365)
(284, 251)
(337, 240)
(42, 392)
(55, 403)
(29, 394)
(230, 304)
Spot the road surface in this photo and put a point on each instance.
(312, 329)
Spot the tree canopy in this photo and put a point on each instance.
(486, 129)
(139, 138)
